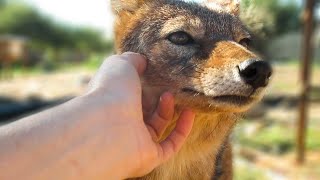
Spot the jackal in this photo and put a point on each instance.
(200, 53)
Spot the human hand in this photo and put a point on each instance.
(118, 84)
(100, 135)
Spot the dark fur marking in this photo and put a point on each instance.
(218, 172)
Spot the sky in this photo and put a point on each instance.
(93, 13)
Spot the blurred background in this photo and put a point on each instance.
(49, 50)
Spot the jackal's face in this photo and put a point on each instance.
(198, 52)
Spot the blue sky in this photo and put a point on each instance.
(93, 13)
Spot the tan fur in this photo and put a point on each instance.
(144, 27)
(189, 24)
(230, 6)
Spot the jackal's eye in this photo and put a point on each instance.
(245, 42)
(180, 38)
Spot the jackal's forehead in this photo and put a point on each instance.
(164, 17)
(198, 17)
(190, 24)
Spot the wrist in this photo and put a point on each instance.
(113, 116)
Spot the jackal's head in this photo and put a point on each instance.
(197, 51)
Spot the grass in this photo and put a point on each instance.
(18, 70)
(279, 139)
(91, 64)
(243, 172)
(313, 139)
(297, 63)
(270, 139)
(287, 75)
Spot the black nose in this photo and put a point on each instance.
(255, 73)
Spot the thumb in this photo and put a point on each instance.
(137, 60)
(117, 67)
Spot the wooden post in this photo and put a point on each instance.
(307, 51)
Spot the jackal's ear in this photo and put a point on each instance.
(126, 5)
(231, 6)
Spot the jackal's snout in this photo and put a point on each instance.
(255, 73)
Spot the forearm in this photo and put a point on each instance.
(101, 135)
(54, 144)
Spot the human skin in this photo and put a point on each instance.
(99, 135)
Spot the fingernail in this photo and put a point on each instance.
(130, 53)
(144, 56)
(133, 53)
(167, 96)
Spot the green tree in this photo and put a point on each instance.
(287, 18)
(24, 20)
(2, 3)
(88, 39)
(267, 19)
(276, 17)
(21, 19)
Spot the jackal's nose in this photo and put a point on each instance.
(255, 73)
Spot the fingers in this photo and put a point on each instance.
(160, 121)
(137, 60)
(162, 116)
(175, 140)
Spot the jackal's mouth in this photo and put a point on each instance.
(230, 99)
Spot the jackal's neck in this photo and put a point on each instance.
(209, 132)
(197, 158)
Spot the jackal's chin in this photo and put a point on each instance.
(219, 103)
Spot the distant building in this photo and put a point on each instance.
(288, 46)
(12, 48)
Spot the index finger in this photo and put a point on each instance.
(173, 143)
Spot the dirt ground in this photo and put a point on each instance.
(46, 86)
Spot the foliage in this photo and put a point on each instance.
(257, 18)
(24, 20)
(276, 139)
(20, 19)
(270, 140)
(269, 19)
(277, 17)
(91, 64)
(287, 18)
(2, 3)
(245, 172)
